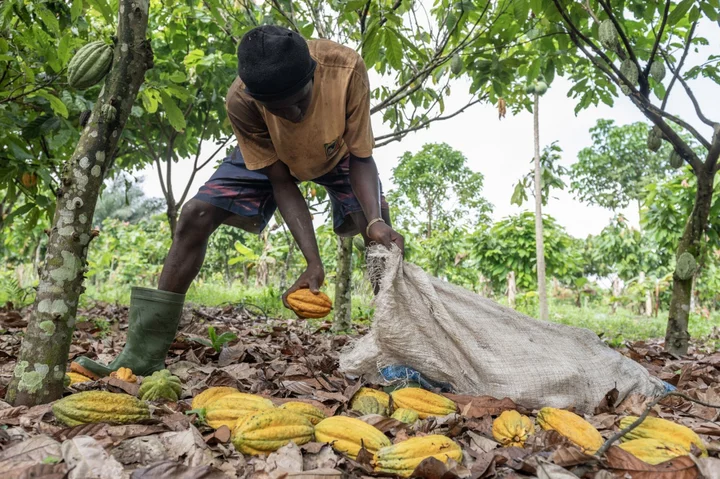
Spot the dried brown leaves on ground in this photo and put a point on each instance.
(290, 360)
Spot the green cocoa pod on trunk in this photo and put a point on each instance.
(608, 34)
(630, 71)
(686, 266)
(676, 160)
(90, 65)
(657, 70)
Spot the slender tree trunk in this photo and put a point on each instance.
(511, 289)
(262, 270)
(615, 293)
(676, 336)
(539, 242)
(40, 370)
(343, 293)
(657, 297)
(288, 262)
(429, 231)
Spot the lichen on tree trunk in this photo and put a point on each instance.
(40, 370)
(343, 298)
(676, 335)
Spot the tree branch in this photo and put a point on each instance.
(398, 135)
(680, 65)
(276, 5)
(646, 72)
(689, 92)
(363, 17)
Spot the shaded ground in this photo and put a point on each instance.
(292, 359)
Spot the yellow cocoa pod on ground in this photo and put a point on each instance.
(368, 405)
(348, 435)
(653, 451)
(572, 427)
(401, 459)
(226, 410)
(382, 397)
(425, 403)
(663, 430)
(307, 304)
(408, 416)
(266, 431)
(511, 429)
(310, 412)
(100, 406)
(124, 374)
(76, 378)
(209, 395)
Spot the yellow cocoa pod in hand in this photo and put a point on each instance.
(425, 403)
(572, 427)
(307, 304)
(401, 459)
(663, 430)
(653, 451)
(348, 435)
(512, 429)
(266, 431)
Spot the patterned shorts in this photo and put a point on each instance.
(248, 194)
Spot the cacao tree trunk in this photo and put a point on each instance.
(288, 262)
(511, 289)
(40, 370)
(539, 243)
(343, 294)
(172, 215)
(676, 336)
(616, 291)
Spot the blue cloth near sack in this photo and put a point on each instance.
(404, 373)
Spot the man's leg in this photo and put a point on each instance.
(198, 220)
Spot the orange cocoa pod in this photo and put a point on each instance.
(308, 304)
(29, 179)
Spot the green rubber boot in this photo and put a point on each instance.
(154, 319)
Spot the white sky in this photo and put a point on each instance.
(502, 150)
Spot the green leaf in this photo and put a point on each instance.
(393, 48)
(48, 18)
(149, 99)
(679, 12)
(76, 9)
(371, 46)
(202, 341)
(178, 77)
(55, 103)
(103, 7)
(193, 58)
(352, 5)
(174, 114)
(244, 250)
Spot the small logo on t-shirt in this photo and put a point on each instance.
(332, 148)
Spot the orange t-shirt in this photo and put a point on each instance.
(337, 120)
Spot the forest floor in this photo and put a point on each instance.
(282, 359)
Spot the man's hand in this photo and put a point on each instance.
(383, 234)
(312, 279)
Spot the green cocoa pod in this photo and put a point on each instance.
(456, 64)
(686, 266)
(161, 385)
(657, 71)
(359, 243)
(654, 140)
(608, 34)
(630, 71)
(541, 88)
(90, 65)
(530, 89)
(625, 89)
(369, 405)
(676, 160)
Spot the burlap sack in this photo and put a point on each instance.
(452, 335)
